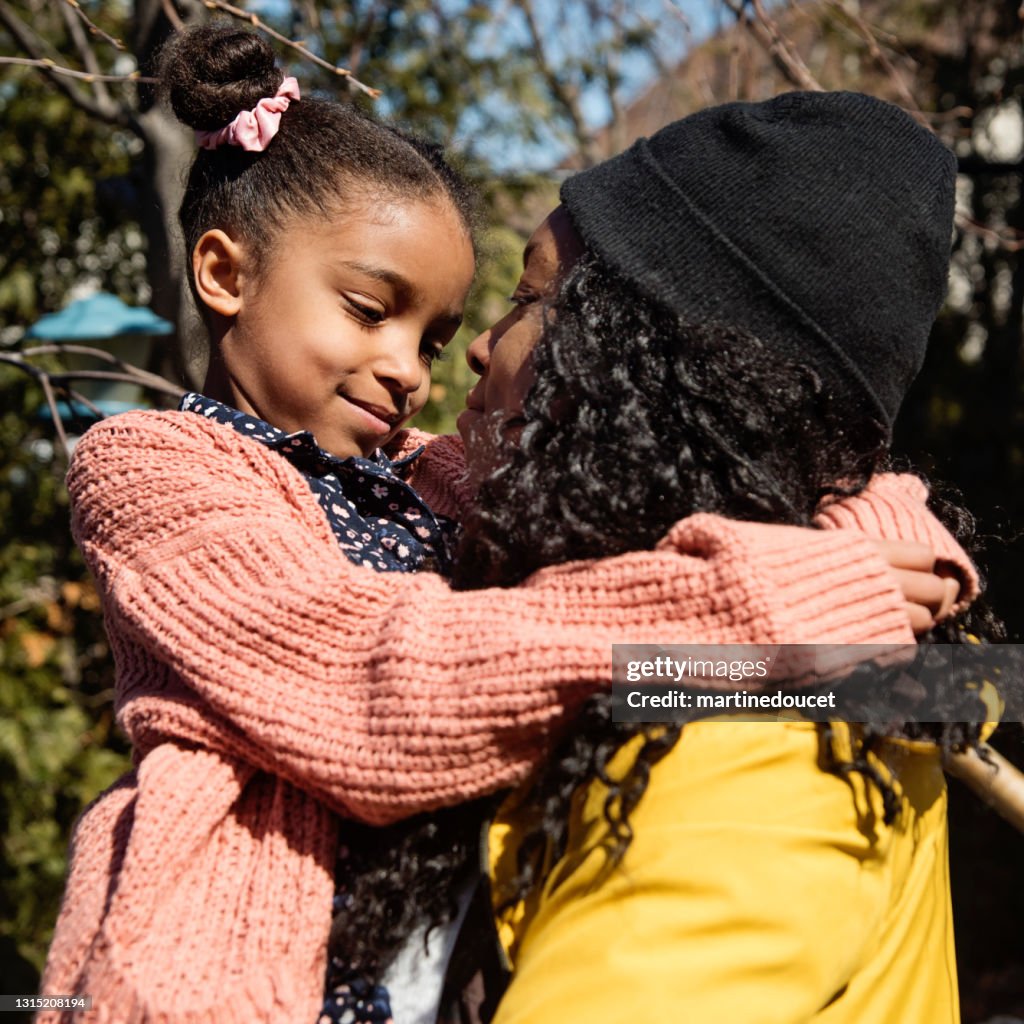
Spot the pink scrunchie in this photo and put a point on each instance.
(253, 129)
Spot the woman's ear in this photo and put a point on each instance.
(218, 265)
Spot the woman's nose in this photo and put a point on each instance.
(478, 355)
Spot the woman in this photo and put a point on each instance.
(723, 319)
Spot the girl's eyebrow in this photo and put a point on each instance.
(392, 277)
(404, 288)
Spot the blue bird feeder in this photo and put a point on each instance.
(102, 321)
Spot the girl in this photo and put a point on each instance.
(718, 326)
(275, 687)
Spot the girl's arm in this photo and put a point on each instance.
(892, 507)
(236, 620)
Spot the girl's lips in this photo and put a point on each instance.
(382, 421)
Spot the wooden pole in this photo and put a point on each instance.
(999, 783)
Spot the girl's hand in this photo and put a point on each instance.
(930, 597)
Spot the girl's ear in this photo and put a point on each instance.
(218, 265)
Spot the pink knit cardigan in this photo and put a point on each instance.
(272, 689)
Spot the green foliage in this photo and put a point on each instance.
(57, 744)
(57, 227)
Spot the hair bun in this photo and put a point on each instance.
(211, 72)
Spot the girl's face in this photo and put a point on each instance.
(338, 333)
(502, 354)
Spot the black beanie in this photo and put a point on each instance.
(821, 222)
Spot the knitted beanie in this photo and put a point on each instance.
(820, 222)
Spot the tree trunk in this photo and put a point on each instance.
(169, 149)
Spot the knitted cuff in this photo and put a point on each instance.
(824, 586)
(894, 507)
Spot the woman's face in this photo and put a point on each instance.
(502, 354)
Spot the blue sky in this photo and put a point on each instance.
(508, 151)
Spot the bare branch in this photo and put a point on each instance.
(53, 383)
(703, 80)
(881, 59)
(1001, 241)
(93, 28)
(262, 26)
(563, 93)
(782, 50)
(676, 10)
(110, 113)
(128, 371)
(736, 57)
(85, 51)
(172, 15)
(76, 396)
(47, 65)
(362, 33)
(312, 15)
(767, 33)
(112, 375)
(51, 401)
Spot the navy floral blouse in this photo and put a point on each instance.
(380, 522)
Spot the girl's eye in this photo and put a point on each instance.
(522, 299)
(366, 314)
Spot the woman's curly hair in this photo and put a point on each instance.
(636, 420)
(400, 878)
(621, 440)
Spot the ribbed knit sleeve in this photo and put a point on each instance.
(893, 506)
(233, 614)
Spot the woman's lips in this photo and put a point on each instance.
(466, 421)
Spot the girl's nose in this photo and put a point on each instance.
(401, 368)
(478, 355)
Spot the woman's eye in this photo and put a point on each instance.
(433, 352)
(522, 299)
(367, 314)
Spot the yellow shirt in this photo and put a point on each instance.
(758, 889)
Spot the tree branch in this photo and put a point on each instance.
(262, 26)
(47, 65)
(361, 34)
(53, 383)
(608, 60)
(1000, 241)
(85, 51)
(93, 28)
(172, 15)
(881, 59)
(766, 32)
(124, 371)
(110, 113)
(565, 96)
